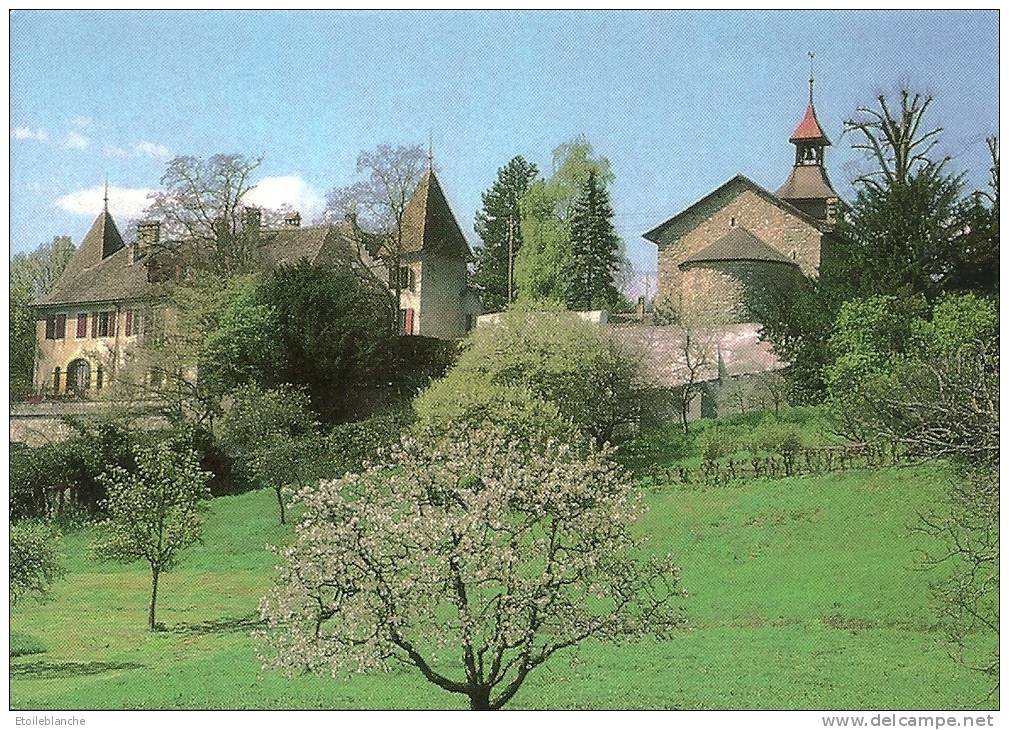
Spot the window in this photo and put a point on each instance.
(56, 327)
(106, 324)
(732, 221)
(99, 377)
(407, 279)
(82, 325)
(132, 322)
(56, 380)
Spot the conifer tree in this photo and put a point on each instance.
(595, 249)
(496, 221)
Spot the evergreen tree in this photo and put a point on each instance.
(595, 249)
(499, 214)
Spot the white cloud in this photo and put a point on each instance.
(152, 149)
(38, 135)
(79, 120)
(285, 190)
(76, 141)
(123, 202)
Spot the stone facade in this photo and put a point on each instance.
(737, 203)
(723, 292)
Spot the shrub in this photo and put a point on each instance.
(718, 441)
(559, 358)
(467, 403)
(34, 562)
(775, 437)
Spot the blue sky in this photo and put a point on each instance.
(678, 101)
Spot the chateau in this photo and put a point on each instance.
(741, 242)
(109, 295)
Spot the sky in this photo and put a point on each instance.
(678, 101)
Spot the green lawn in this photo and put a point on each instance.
(803, 594)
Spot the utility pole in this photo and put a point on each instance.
(511, 253)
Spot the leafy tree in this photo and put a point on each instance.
(32, 275)
(263, 429)
(542, 265)
(910, 230)
(588, 375)
(201, 205)
(154, 512)
(595, 250)
(330, 331)
(473, 548)
(498, 223)
(34, 561)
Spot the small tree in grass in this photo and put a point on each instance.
(154, 512)
(34, 562)
(473, 562)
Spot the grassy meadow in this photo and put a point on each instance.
(804, 593)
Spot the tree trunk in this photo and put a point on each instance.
(155, 572)
(280, 501)
(684, 412)
(479, 698)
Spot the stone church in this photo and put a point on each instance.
(740, 243)
(111, 293)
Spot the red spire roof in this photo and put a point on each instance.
(809, 128)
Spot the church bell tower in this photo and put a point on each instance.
(808, 188)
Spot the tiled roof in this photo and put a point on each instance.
(428, 222)
(655, 234)
(89, 277)
(738, 245)
(112, 279)
(809, 128)
(807, 182)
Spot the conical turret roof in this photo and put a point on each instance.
(428, 222)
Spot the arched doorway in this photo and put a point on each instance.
(78, 377)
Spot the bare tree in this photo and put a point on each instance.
(377, 203)
(694, 361)
(895, 141)
(201, 206)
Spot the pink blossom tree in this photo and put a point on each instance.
(473, 562)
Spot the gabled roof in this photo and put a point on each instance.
(809, 129)
(655, 234)
(807, 182)
(428, 223)
(738, 244)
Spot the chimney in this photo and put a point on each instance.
(292, 219)
(252, 217)
(148, 235)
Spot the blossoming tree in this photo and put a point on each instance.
(473, 561)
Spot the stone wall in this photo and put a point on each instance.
(737, 204)
(722, 292)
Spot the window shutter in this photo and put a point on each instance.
(61, 326)
(94, 325)
(113, 322)
(409, 322)
(82, 325)
(50, 328)
(129, 322)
